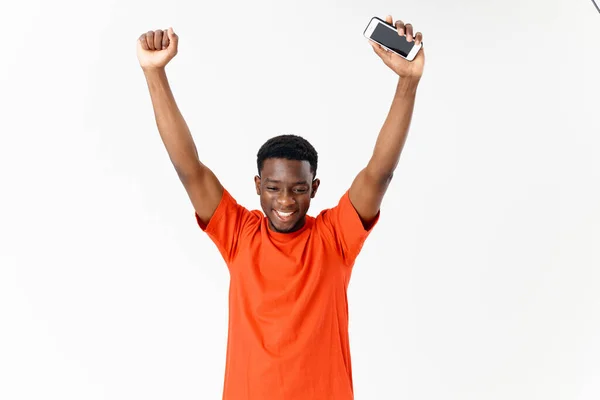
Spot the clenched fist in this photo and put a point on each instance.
(156, 48)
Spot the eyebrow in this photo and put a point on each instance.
(269, 180)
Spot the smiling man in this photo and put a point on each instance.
(289, 272)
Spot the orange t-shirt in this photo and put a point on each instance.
(288, 310)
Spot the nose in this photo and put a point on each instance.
(285, 200)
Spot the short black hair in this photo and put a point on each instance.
(290, 147)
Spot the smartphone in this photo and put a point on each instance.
(387, 36)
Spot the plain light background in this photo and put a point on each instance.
(481, 281)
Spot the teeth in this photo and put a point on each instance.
(284, 214)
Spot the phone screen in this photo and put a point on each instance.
(390, 39)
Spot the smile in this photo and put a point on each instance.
(284, 216)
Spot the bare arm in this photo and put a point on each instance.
(155, 50)
(370, 185)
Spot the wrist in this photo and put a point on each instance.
(407, 85)
(153, 71)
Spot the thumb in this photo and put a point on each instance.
(378, 49)
(172, 35)
(173, 41)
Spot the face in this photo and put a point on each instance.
(285, 188)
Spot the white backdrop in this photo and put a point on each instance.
(481, 281)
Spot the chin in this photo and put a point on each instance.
(284, 227)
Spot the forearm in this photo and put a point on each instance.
(172, 127)
(392, 136)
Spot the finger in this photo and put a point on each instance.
(172, 35)
(389, 19)
(158, 39)
(409, 32)
(150, 40)
(165, 40)
(142, 40)
(400, 27)
(375, 45)
(173, 38)
(380, 51)
(418, 38)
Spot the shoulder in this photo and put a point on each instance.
(343, 207)
(343, 221)
(230, 212)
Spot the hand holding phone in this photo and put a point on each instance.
(397, 45)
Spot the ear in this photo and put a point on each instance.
(257, 184)
(315, 186)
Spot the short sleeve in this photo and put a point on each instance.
(226, 225)
(345, 228)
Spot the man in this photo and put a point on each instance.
(289, 272)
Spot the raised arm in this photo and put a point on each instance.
(155, 49)
(370, 185)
